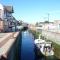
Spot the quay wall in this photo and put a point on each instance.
(8, 45)
(15, 49)
(53, 36)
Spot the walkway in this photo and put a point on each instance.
(6, 41)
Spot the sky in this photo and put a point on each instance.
(33, 11)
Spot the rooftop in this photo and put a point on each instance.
(9, 9)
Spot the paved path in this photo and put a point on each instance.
(6, 41)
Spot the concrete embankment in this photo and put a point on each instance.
(53, 36)
(15, 50)
(6, 41)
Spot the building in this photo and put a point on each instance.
(6, 15)
(53, 33)
(51, 26)
(32, 27)
(3, 25)
(57, 24)
(43, 26)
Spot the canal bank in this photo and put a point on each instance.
(38, 54)
(7, 40)
(15, 50)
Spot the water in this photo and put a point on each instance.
(29, 51)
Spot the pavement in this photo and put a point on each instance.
(6, 41)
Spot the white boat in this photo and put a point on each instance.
(44, 47)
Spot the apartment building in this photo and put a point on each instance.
(6, 16)
(3, 25)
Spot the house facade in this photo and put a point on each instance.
(6, 15)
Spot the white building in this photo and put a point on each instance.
(1, 11)
(43, 26)
(51, 26)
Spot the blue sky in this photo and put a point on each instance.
(32, 11)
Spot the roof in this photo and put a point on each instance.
(9, 8)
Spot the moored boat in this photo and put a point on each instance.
(44, 47)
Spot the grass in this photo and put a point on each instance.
(35, 34)
(56, 50)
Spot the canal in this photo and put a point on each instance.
(27, 47)
(29, 51)
(24, 49)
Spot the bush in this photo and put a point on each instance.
(35, 34)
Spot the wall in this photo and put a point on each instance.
(53, 36)
(1, 11)
(1, 26)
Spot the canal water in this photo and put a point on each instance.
(28, 50)
(27, 47)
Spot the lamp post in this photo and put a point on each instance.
(48, 21)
